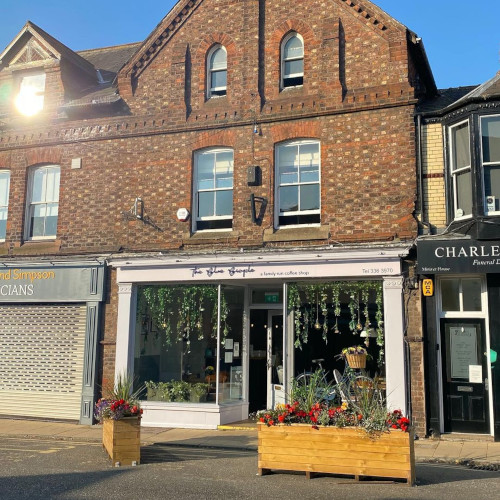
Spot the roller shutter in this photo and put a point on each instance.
(41, 360)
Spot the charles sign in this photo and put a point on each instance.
(457, 256)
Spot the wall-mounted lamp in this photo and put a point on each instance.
(257, 217)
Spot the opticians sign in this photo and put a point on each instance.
(52, 284)
(457, 256)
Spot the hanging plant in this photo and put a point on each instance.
(336, 305)
(324, 312)
(188, 302)
(353, 308)
(306, 300)
(379, 317)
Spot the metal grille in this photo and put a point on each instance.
(41, 359)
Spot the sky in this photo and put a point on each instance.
(461, 37)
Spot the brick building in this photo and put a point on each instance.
(459, 158)
(218, 205)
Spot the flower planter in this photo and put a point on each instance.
(356, 360)
(334, 450)
(122, 440)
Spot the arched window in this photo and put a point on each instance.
(216, 71)
(292, 61)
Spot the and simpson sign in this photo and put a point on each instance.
(54, 284)
(458, 256)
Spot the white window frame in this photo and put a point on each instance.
(211, 91)
(283, 61)
(6, 205)
(31, 205)
(495, 164)
(455, 172)
(277, 212)
(195, 218)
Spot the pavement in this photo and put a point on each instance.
(242, 437)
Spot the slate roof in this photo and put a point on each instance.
(451, 98)
(108, 61)
(445, 98)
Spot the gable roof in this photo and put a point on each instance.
(164, 30)
(57, 49)
(182, 10)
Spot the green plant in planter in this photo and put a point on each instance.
(151, 390)
(179, 391)
(198, 392)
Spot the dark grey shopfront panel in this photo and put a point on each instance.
(38, 288)
(51, 284)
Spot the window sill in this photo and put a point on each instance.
(4, 248)
(297, 233)
(206, 237)
(36, 247)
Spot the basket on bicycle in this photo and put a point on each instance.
(356, 360)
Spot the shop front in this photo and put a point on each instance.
(49, 328)
(215, 338)
(462, 323)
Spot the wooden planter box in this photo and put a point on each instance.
(334, 450)
(122, 440)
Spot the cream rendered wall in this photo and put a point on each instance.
(433, 172)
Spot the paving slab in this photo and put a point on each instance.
(473, 450)
(238, 438)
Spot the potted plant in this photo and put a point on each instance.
(359, 439)
(198, 392)
(151, 390)
(119, 412)
(355, 356)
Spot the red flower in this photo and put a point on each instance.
(281, 418)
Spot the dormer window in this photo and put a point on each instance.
(292, 61)
(29, 100)
(216, 72)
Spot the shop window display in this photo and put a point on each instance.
(176, 342)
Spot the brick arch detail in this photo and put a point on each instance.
(291, 131)
(206, 44)
(213, 39)
(45, 155)
(300, 27)
(224, 138)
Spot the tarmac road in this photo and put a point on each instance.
(50, 469)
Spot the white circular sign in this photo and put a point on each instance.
(183, 214)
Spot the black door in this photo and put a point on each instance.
(257, 383)
(464, 376)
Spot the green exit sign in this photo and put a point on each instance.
(271, 298)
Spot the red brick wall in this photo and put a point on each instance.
(415, 341)
(367, 193)
(356, 100)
